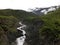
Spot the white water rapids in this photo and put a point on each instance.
(21, 39)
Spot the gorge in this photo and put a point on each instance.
(18, 27)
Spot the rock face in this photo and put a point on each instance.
(4, 40)
(32, 32)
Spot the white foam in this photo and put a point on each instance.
(21, 39)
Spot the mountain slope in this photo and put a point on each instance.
(20, 14)
(50, 31)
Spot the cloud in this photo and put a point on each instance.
(25, 4)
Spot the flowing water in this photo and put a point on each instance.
(21, 39)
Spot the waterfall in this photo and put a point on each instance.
(21, 39)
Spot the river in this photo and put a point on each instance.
(20, 40)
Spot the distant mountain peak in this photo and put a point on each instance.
(41, 11)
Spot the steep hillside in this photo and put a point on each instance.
(8, 31)
(50, 31)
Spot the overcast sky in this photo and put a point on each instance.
(26, 4)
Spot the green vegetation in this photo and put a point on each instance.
(7, 24)
(50, 31)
